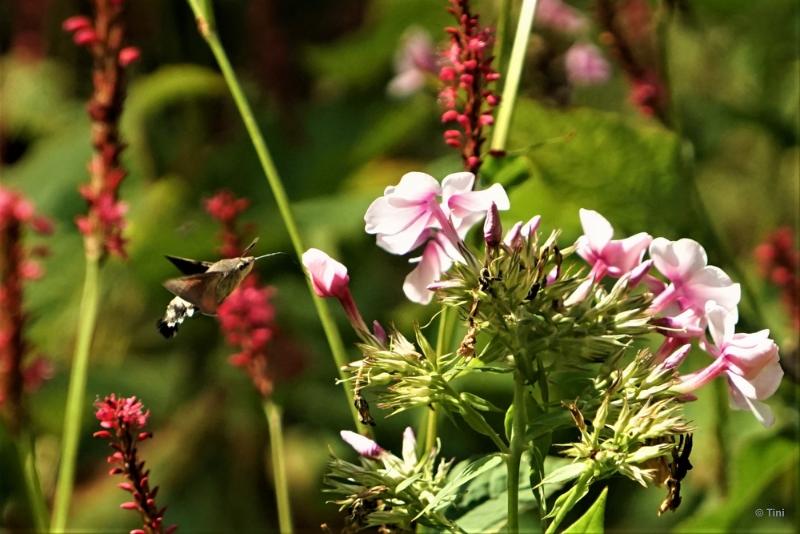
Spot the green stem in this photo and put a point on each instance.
(515, 454)
(503, 12)
(430, 433)
(205, 25)
(273, 413)
(33, 491)
(576, 493)
(513, 75)
(75, 395)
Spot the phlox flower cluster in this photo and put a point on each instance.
(689, 300)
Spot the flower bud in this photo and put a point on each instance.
(329, 278)
(492, 229)
(362, 445)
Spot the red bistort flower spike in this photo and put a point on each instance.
(247, 316)
(779, 260)
(17, 266)
(466, 75)
(226, 208)
(104, 38)
(123, 421)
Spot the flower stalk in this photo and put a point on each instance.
(73, 415)
(205, 24)
(518, 424)
(511, 85)
(274, 421)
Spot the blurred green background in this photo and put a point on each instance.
(316, 72)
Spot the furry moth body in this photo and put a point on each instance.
(203, 287)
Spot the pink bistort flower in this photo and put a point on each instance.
(362, 444)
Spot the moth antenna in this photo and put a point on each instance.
(250, 247)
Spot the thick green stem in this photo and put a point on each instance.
(273, 413)
(208, 32)
(515, 454)
(513, 75)
(75, 395)
(33, 491)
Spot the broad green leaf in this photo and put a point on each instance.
(591, 522)
(627, 169)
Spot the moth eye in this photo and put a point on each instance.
(241, 265)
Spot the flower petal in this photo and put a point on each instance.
(596, 228)
(433, 263)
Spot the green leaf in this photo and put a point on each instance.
(627, 169)
(592, 520)
(479, 403)
(564, 474)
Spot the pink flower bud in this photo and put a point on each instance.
(362, 445)
(84, 37)
(329, 278)
(104, 434)
(492, 229)
(128, 55)
(75, 23)
(129, 505)
(449, 115)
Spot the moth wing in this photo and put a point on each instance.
(187, 266)
(199, 289)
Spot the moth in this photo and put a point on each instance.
(204, 286)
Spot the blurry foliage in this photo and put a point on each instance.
(733, 69)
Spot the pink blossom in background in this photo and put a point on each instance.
(362, 444)
(586, 65)
(414, 62)
(559, 16)
(750, 362)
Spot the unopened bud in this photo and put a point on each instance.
(128, 55)
(492, 229)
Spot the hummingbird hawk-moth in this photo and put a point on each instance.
(203, 287)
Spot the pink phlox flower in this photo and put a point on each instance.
(419, 211)
(329, 278)
(415, 60)
(362, 444)
(607, 256)
(612, 257)
(586, 65)
(750, 362)
(693, 283)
